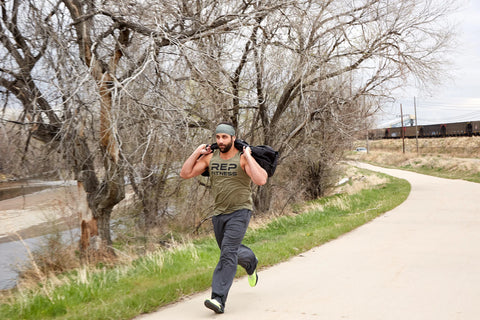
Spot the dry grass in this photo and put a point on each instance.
(457, 147)
(357, 181)
(450, 156)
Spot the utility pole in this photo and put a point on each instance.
(416, 124)
(403, 134)
(366, 124)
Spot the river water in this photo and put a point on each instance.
(13, 253)
(16, 253)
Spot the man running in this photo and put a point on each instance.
(231, 172)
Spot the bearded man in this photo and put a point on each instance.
(231, 174)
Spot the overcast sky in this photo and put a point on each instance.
(458, 99)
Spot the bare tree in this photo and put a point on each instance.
(372, 46)
(92, 54)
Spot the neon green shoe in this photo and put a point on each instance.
(253, 278)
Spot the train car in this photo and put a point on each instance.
(455, 129)
(475, 126)
(395, 133)
(458, 129)
(375, 134)
(429, 131)
(410, 132)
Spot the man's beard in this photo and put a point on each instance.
(226, 147)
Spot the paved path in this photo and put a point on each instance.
(418, 261)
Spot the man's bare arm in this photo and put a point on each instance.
(196, 165)
(258, 175)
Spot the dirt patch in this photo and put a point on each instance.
(41, 229)
(47, 211)
(37, 213)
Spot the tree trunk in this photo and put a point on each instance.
(101, 197)
(262, 198)
(103, 222)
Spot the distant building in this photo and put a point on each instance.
(408, 121)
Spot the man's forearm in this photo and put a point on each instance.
(258, 175)
(187, 168)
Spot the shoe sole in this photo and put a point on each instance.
(213, 306)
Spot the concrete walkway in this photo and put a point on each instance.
(418, 261)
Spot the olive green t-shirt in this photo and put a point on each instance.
(230, 184)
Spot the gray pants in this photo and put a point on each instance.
(229, 231)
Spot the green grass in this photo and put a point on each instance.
(157, 279)
(441, 173)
